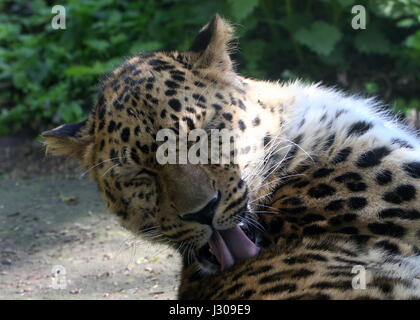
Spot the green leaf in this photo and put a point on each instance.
(289, 75)
(406, 23)
(372, 40)
(145, 47)
(64, 198)
(346, 3)
(404, 106)
(342, 3)
(242, 8)
(119, 38)
(70, 113)
(400, 105)
(253, 52)
(81, 71)
(9, 30)
(413, 41)
(371, 87)
(336, 58)
(98, 45)
(320, 37)
(414, 104)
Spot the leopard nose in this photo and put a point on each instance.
(206, 214)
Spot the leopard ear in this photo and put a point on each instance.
(212, 45)
(68, 140)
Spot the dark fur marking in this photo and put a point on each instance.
(383, 177)
(256, 121)
(342, 285)
(322, 190)
(387, 229)
(260, 270)
(313, 230)
(342, 155)
(170, 92)
(399, 213)
(402, 143)
(373, 157)
(287, 287)
(401, 193)
(175, 104)
(388, 246)
(356, 186)
(217, 106)
(349, 176)
(227, 116)
(359, 128)
(329, 142)
(357, 203)
(335, 205)
(125, 134)
(311, 217)
(171, 84)
(323, 172)
(412, 169)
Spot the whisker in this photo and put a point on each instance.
(110, 168)
(94, 166)
(309, 156)
(278, 179)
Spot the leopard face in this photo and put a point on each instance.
(183, 203)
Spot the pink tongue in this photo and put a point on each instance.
(230, 245)
(219, 249)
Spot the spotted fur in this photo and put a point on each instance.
(337, 187)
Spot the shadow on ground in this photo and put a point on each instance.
(51, 220)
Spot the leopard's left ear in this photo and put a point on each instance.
(212, 45)
(68, 140)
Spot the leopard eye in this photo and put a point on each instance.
(141, 180)
(146, 172)
(144, 176)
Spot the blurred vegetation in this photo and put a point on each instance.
(51, 76)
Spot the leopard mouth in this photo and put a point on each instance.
(226, 247)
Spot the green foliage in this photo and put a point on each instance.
(51, 76)
(372, 41)
(314, 37)
(242, 8)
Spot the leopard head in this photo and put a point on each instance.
(186, 204)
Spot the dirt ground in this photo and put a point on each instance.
(58, 242)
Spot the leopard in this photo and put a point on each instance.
(319, 197)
